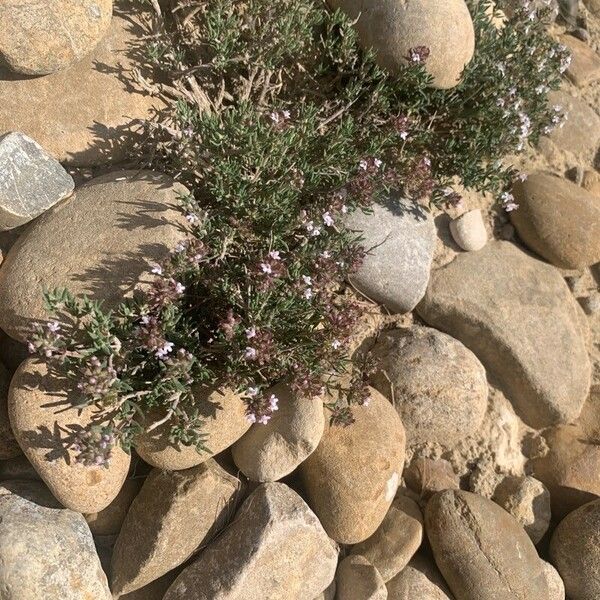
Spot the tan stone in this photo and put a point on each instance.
(275, 548)
(357, 579)
(437, 385)
(175, 513)
(426, 477)
(153, 591)
(269, 452)
(420, 580)
(85, 115)
(117, 227)
(44, 421)
(481, 550)
(559, 220)
(224, 422)
(8, 445)
(556, 586)
(396, 540)
(393, 27)
(352, 477)
(591, 182)
(469, 231)
(575, 552)
(585, 62)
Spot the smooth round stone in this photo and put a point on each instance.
(117, 226)
(556, 585)
(357, 579)
(469, 231)
(44, 419)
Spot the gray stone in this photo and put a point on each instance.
(47, 553)
(275, 548)
(469, 231)
(357, 579)
(420, 580)
(31, 181)
(400, 240)
(520, 319)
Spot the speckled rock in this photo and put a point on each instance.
(396, 540)
(437, 385)
(519, 318)
(47, 553)
(352, 477)
(44, 422)
(175, 513)
(481, 550)
(394, 27)
(420, 580)
(275, 548)
(272, 451)
(357, 579)
(556, 586)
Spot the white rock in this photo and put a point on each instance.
(468, 231)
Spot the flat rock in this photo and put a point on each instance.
(394, 27)
(585, 62)
(396, 540)
(175, 514)
(520, 319)
(31, 181)
(481, 550)
(437, 385)
(269, 452)
(275, 548)
(419, 580)
(45, 422)
(575, 552)
(85, 115)
(357, 579)
(224, 422)
(8, 444)
(559, 220)
(37, 38)
(352, 477)
(106, 258)
(400, 241)
(47, 553)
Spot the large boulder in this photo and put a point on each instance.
(275, 548)
(420, 580)
(482, 551)
(559, 220)
(520, 319)
(85, 114)
(116, 226)
(352, 477)
(175, 513)
(46, 421)
(575, 552)
(37, 38)
(437, 385)
(46, 552)
(394, 27)
(400, 240)
(269, 452)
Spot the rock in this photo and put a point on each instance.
(426, 477)
(40, 38)
(580, 133)
(8, 445)
(570, 470)
(109, 520)
(393, 28)
(396, 540)
(528, 501)
(585, 62)
(481, 550)
(153, 591)
(106, 258)
(17, 468)
(328, 594)
(419, 580)
(591, 304)
(556, 586)
(559, 220)
(575, 552)
(31, 181)
(469, 231)
(275, 548)
(519, 318)
(352, 477)
(86, 114)
(175, 513)
(400, 244)
(272, 451)
(47, 553)
(591, 182)
(45, 421)
(593, 6)
(224, 415)
(357, 579)
(438, 386)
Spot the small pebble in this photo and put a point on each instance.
(469, 231)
